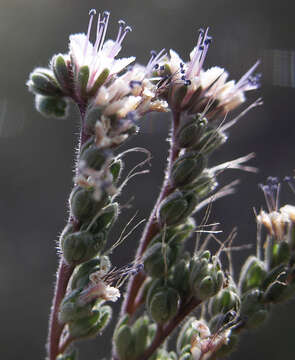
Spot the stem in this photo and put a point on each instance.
(152, 227)
(62, 277)
(163, 332)
(55, 327)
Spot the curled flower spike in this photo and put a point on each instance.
(189, 87)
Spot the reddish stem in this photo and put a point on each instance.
(152, 227)
(55, 327)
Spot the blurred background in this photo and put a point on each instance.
(36, 154)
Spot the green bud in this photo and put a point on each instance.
(154, 261)
(272, 275)
(71, 310)
(185, 335)
(61, 73)
(90, 326)
(209, 142)
(116, 169)
(82, 246)
(156, 285)
(204, 184)
(101, 79)
(275, 292)
(187, 169)
(83, 77)
(107, 218)
(180, 277)
(252, 309)
(42, 82)
(80, 278)
(224, 301)
(206, 288)
(94, 157)
(51, 106)
(140, 333)
(83, 205)
(176, 208)
(199, 268)
(252, 274)
(283, 253)
(164, 305)
(190, 133)
(69, 229)
(124, 343)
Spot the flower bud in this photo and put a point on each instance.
(283, 253)
(61, 73)
(252, 274)
(51, 106)
(107, 218)
(180, 277)
(252, 309)
(191, 132)
(69, 229)
(71, 310)
(42, 82)
(82, 246)
(272, 275)
(204, 184)
(116, 169)
(83, 205)
(90, 326)
(156, 285)
(164, 305)
(187, 169)
(140, 333)
(224, 301)
(185, 335)
(80, 278)
(154, 262)
(124, 343)
(209, 142)
(275, 292)
(176, 208)
(94, 157)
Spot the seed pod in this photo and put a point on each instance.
(252, 274)
(61, 73)
(140, 335)
(191, 132)
(154, 262)
(164, 305)
(204, 184)
(101, 79)
(187, 168)
(210, 141)
(80, 278)
(176, 208)
(42, 82)
(51, 106)
(224, 301)
(95, 158)
(83, 205)
(82, 246)
(90, 326)
(70, 309)
(124, 343)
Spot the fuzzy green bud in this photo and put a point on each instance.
(83, 77)
(82, 246)
(107, 218)
(101, 79)
(83, 205)
(187, 168)
(211, 141)
(283, 253)
(61, 73)
(204, 184)
(191, 132)
(140, 331)
(116, 169)
(180, 277)
(224, 301)
(154, 261)
(71, 309)
(95, 158)
(185, 335)
(124, 343)
(176, 208)
(254, 311)
(51, 106)
(164, 305)
(42, 82)
(252, 274)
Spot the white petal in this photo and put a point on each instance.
(120, 64)
(77, 48)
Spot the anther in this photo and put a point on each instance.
(106, 14)
(153, 53)
(133, 83)
(201, 31)
(181, 65)
(183, 78)
(187, 82)
(156, 66)
(182, 71)
(121, 23)
(162, 67)
(201, 47)
(208, 40)
(127, 29)
(92, 12)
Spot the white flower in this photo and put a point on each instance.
(100, 55)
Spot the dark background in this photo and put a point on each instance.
(36, 154)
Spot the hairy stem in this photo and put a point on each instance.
(63, 276)
(152, 227)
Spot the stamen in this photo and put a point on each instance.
(134, 83)
(271, 193)
(105, 21)
(92, 12)
(290, 182)
(121, 27)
